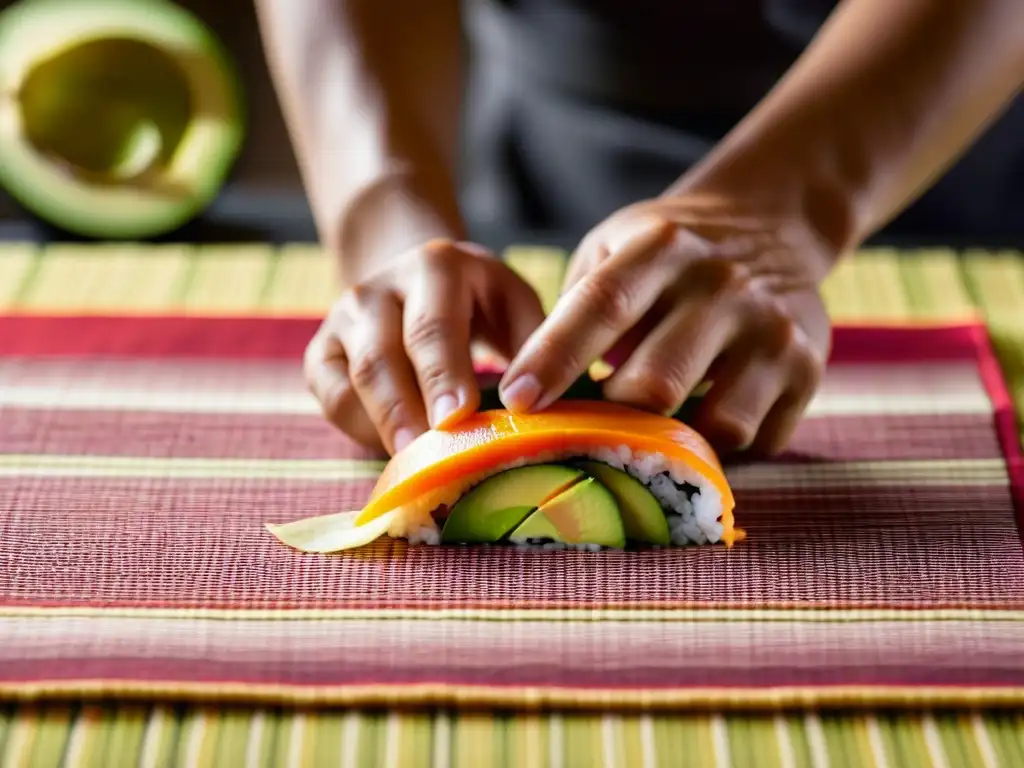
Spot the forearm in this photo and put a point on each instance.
(886, 98)
(370, 92)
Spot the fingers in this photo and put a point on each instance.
(780, 422)
(761, 388)
(510, 309)
(763, 368)
(438, 311)
(378, 367)
(590, 318)
(326, 370)
(675, 356)
(803, 375)
(744, 391)
(394, 358)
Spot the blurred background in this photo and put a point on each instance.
(263, 199)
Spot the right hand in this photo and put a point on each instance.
(392, 358)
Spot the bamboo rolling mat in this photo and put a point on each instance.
(877, 287)
(881, 286)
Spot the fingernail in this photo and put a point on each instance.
(403, 437)
(444, 407)
(522, 393)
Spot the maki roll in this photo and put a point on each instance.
(582, 474)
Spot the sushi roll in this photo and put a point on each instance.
(582, 474)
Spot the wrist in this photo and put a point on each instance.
(762, 176)
(394, 212)
(882, 102)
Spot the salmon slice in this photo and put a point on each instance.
(440, 465)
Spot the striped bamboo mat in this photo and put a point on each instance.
(114, 737)
(878, 286)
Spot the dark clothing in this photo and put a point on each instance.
(579, 107)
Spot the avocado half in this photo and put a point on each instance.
(119, 119)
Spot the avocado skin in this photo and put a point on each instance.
(487, 528)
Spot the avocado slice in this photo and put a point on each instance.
(585, 513)
(121, 119)
(642, 516)
(501, 502)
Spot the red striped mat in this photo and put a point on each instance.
(140, 457)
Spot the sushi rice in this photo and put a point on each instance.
(692, 504)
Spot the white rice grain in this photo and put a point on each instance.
(691, 521)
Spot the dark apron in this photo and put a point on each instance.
(576, 108)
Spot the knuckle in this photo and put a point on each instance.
(772, 328)
(353, 302)
(729, 277)
(806, 368)
(439, 253)
(427, 330)
(313, 354)
(369, 367)
(391, 413)
(433, 376)
(661, 394)
(337, 400)
(732, 430)
(360, 295)
(606, 296)
(433, 371)
(661, 386)
(780, 331)
(322, 347)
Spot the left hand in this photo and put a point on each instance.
(684, 290)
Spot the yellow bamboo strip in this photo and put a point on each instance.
(997, 281)
(303, 282)
(840, 291)
(543, 268)
(228, 279)
(935, 287)
(880, 285)
(121, 278)
(473, 742)
(17, 263)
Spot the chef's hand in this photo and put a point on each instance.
(677, 292)
(393, 355)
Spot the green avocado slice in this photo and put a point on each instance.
(585, 513)
(497, 505)
(642, 515)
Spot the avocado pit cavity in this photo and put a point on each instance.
(106, 110)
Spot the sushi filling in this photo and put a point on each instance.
(689, 506)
